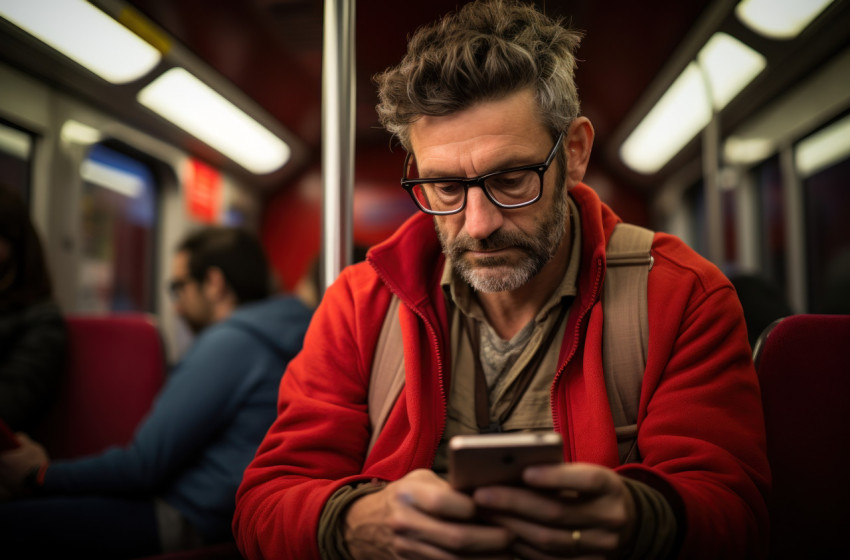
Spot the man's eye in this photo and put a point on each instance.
(447, 189)
(508, 180)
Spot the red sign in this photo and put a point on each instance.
(202, 192)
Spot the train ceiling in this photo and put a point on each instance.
(271, 50)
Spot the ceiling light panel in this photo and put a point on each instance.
(679, 115)
(189, 103)
(780, 19)
(729, 65)
(86, 35)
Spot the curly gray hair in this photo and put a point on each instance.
(486, 50)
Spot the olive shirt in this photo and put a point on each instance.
(502, 362)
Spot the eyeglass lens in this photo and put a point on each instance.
(508, 189)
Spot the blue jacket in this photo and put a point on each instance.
(207, 422)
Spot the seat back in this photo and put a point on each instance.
(803, 364)
(116, 366)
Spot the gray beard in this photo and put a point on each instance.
(505, 274)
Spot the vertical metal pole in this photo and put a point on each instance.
(338, 102)
(795, 232)
(711, 186)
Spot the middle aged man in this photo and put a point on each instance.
(515, 250)
(173, 486)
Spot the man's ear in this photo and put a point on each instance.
(578, 143)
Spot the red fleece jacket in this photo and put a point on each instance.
(700, 425)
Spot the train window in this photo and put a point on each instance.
(118, 210)
(768, 177)
(827, 200)
(16, 148)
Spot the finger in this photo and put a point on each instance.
(431, 494)
(551, 508)
(414, 522)
(583, 478)
(559, 541)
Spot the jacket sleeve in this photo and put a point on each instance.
(701, 426)
(202, 395)
(318, 441)
(32, 366)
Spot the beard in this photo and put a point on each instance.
(506, 273)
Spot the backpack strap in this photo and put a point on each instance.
(625, 331)
(387, 378)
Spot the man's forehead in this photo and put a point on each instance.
(180, 262)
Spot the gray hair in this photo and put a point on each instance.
(486, 50)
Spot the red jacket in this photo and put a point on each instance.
(701, 431)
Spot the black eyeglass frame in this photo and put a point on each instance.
(175, 286)
(540, 168)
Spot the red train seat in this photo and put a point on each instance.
(116, 366)
(803, 364)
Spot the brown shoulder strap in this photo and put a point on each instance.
(387, 378)
(625, 331)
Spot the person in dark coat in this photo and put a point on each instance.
(33, 338)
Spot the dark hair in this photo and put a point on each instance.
(234, 251)
(484, 51)
(31, 283)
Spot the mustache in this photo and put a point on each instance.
(495, 241)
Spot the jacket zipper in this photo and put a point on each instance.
(576, 335)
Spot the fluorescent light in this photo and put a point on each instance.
(678, 116)
(183, 99)
(823, 148)
(746, 150)
(75, 132)
(86, 35)
(780, 19)
(724, 67)
(111, 178)
(729, 66)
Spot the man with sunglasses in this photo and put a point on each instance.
(508, 253)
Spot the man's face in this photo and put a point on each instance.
(493, 249)
(190, 303)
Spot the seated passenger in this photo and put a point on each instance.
(511, 249)
(173, 486)
(33, 338)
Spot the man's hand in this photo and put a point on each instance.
(421, 516)
(17, 463)
(565, 511)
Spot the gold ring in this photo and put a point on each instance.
(576, 535)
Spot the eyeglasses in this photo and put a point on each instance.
(509, 188)
(176, 286)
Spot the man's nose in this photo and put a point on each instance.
(481, 217)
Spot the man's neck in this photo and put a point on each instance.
(509, 312)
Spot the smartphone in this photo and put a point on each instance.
(7, 438)
(490, 459)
